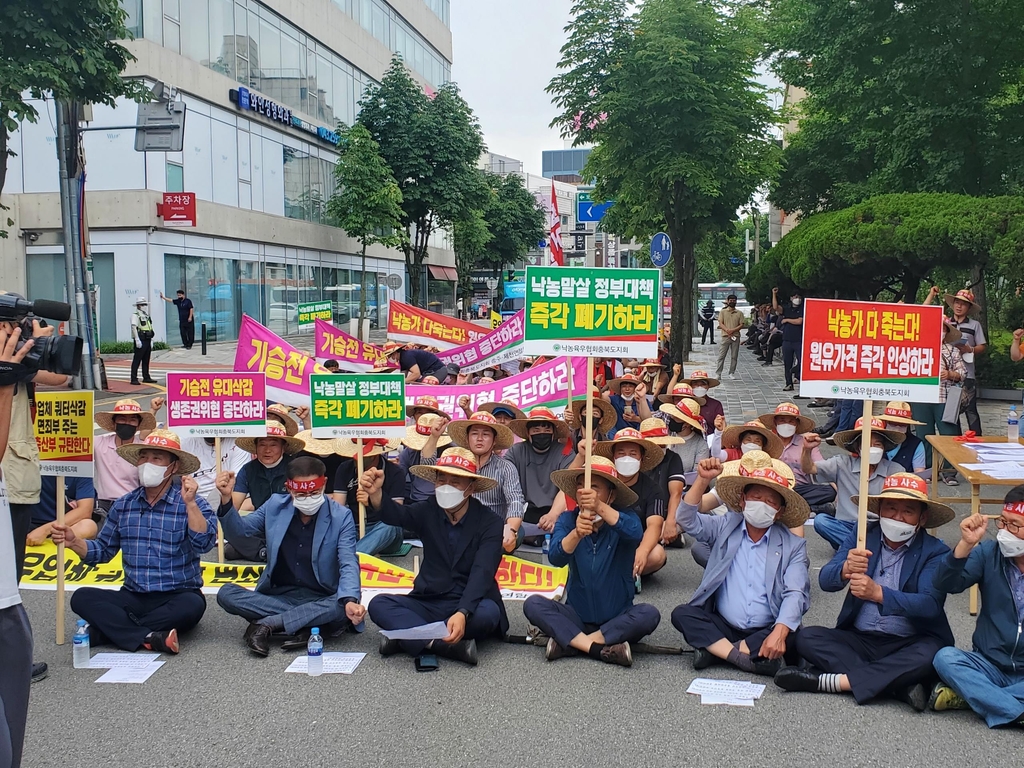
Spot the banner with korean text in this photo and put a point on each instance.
(314, 311)
(260, 350)
(217, 404)
(502, 345)
(64, 430)
(351, 353)
(859, 350)
(545, 385)
(593, 312)
(357, 406)
(418, 326)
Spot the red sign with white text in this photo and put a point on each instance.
(861, 350)
(178, 209)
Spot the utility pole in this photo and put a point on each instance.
(757, 235)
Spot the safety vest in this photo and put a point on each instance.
(143, 322)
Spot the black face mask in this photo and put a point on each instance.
(542, 442)
(675, 426)
(210, 441)
(595, 423)
(125, 431)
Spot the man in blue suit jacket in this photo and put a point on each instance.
(756, 587)
(892, 622)
(312, 574)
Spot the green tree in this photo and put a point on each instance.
(432, 145)
(514, 219)
(471, 236)
(368, 202)
(681, 127)
(66, 49)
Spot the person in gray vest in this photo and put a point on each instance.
(142, 335)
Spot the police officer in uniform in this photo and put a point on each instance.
(142, 335)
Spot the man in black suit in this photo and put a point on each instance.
(462, 549)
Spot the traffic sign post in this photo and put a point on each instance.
(661, 250)
(588, 210)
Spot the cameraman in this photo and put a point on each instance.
(15, 632)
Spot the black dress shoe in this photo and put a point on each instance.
(389, 647)
(135, 383)
(39, 671)
(149, 381)
(257, 639)
(914, 695)
(464, 650)
(788, 388)
(296, 642)
(703, 658)
(766, 667)
(796, 679)
(767, 364)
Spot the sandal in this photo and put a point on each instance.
(950, 480)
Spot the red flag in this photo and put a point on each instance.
(555, 237)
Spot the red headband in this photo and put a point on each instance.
(305, 486)
(765, 474)
(1014, 508)
(369, 443)
(454, 460)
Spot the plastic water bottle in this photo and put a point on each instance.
(80, 646)
(315, 654)
(546, 549)
(1012, 428)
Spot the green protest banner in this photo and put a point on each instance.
(313, 311)
(592, 312)
(357, 406)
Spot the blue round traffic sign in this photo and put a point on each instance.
(661, 249)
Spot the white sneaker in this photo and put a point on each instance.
(733, 377)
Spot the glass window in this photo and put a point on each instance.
(211, 284)
(281, 296)
(175, 177)
(325, 89)
(172, 34)
(241, 45)
(255, 52)
(222, 39)
(133, 21)
(293, 70)
(196, 43)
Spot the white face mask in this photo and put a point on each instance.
(700, 391)
(151, 475)
(629, 398)
(1010, 545)
(271, 466)
(796, 302)
(897, 427)
(875, 454)
(627, 466)
(448, 497)
(758, 514)
(309, 505)
(748, 447)
(785, 430)
(896, 531)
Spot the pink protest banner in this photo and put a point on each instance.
(352, 354)
(544, 385)
(260, 350)
(502, 345)
(217, 404)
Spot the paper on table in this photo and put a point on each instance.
(435, 631)
(734, 689)
(1004, 467)
(711, 698)
(122, 660)
(334, 663)
(129, 674)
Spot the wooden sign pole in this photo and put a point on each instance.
(865, 470)
(359, 474)
(568, 399)
(60, 562)
(589, 429)
(220, 530)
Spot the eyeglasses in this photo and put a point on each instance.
(1014, 528)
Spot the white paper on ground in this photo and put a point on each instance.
(733, 689)
(435, 631)
(122, 660)
(335, 663)
(713, 699)
(415, 542)
(129, 674)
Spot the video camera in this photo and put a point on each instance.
(59, 354)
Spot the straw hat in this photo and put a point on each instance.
(758, 468)
(393, 346)
(315, 445)
(163, 440)
(904, 485)
(372, 446)
(291, 444)
(952, 334)
(416, 436)
(653, 453)
(126, 408)
(383, 366)
(964, 295)
(426, 403)
(459, 462)
(656, 430)
(682, 389)
(290, 424)
(804, 423)
(459, 431)
(629, 378)
(507, 405)
(684, 412)
(521, 427)
(701, 376)
(773, 443)
(566, 479)
(898, 412)
(609, 416)
(651, 362)
(848, 438)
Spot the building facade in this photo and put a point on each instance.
(265, 85)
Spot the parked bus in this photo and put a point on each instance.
(717, 292)
(515, 299)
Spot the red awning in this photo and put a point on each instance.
(453, 274)
(448, 274)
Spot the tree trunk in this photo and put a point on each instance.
(911, 285)
(3, 158)
(681, 339)
(362, 297)
(978, 288)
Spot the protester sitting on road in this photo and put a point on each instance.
(628, 397)
(654, 377)
(332, 366)
(910, 455)
(232, 459)
(667, 476)
(542, 452)
(892, 622)
(685, 422)
(792, 426)
(323, 450)
(989, 679)
(598, 542)
(161, 533)
(602, 414)
(677, 394)
(461, 554)
(844, 471)
(710, 408)
(284, 416)
(126, 423)
(634, 457)
(416, 437)
(312, 573)
(79, 502)
(379, 537)
(505, 412)
(756, 587)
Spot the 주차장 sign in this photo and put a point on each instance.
(357, 405)
(594, 312)
(871, 351)
(217, 404)
(64, 430)
(313, 311)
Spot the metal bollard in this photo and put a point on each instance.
(203, 330)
